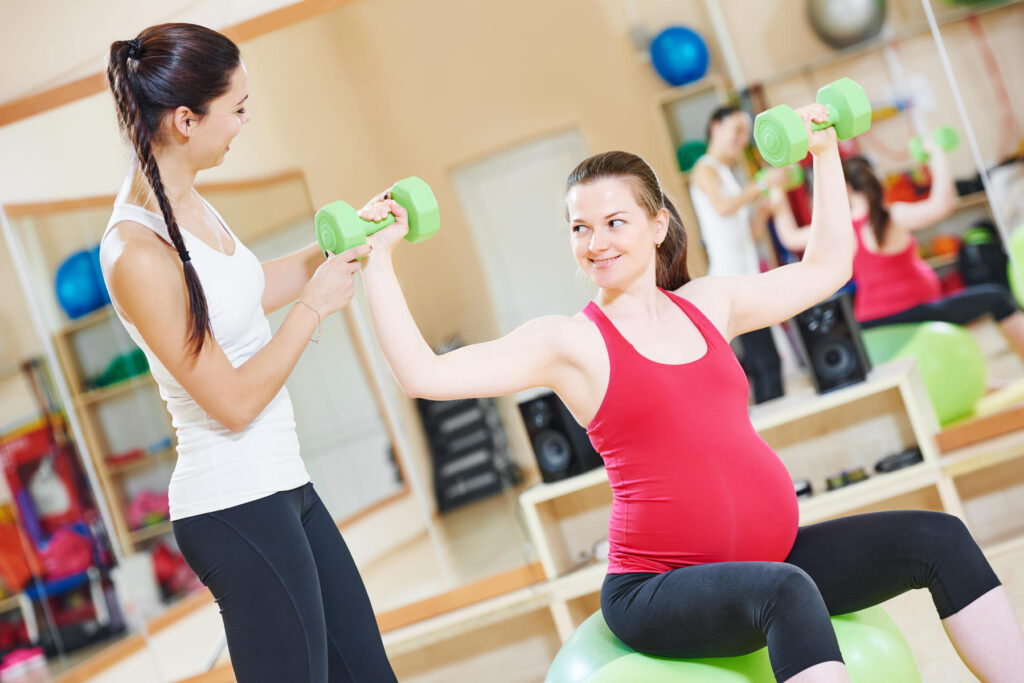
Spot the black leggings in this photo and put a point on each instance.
(732, 608)
(761, 364)
(960, 308)
(293, 603)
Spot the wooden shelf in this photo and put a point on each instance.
(10, 603)
(86, 320)
(791, 408)
(873, 490)
(968, 200)
(944, 261)
(110, 391)
(144, 461)
(149, 532)
(982, 455)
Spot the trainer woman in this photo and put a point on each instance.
(193, 298)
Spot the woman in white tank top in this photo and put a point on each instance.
(726, 220)
(193, 298)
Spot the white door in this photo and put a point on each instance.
(513, 202)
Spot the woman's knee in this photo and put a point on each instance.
(999, 300)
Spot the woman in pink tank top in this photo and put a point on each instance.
(705, 555)
(894, 285)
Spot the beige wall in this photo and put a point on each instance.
(375, 91)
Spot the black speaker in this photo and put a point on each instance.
(560, 444)
(830, 337)
(467, 446)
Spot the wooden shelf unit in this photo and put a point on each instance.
(86, 401)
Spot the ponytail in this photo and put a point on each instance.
(165, 67)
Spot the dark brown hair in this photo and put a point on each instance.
(719, 114)
(860, 176)
(671, 265)
(165, 67)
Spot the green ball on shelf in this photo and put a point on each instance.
(689, 152)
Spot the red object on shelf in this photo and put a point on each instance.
(66, 554)
(944, 244)
(952, 282)
(147, 508)
(35, 461)
(126, 457)
(172, 572)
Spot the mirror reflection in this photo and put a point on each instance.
(479, 527)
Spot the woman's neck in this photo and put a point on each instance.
(176, 177)
(720, 155)
(637, 300)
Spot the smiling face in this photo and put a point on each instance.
(613, 237)
(210, 135)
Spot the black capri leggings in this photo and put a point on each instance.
(293, 603)
(960, 308)
(732, 608)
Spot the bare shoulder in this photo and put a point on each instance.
(711, 295)
(136, 261)
(132, 239)
(560, 331)
(703, 175)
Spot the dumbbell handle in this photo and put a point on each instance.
(830, 121)
(327, 237)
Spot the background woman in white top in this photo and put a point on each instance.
(727, 226)
(193, 298)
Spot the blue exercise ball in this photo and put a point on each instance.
(679, 55)
(79, 283)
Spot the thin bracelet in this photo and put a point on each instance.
(316, 339)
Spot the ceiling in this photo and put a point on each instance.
(47, 43)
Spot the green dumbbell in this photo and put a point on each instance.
(946, 138)
(794, 177)
(339, 227)
(780, 133)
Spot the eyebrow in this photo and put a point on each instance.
(614, 213)
(243, 99)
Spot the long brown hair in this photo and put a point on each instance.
(165, 67)
(860, 176)
(671, 264)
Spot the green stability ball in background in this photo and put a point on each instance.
(948, 357)
(873, 648)
(1015, 268)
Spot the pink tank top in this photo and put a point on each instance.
(692, 481)
(890, 283)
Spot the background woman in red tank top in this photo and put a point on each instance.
(705, 555)
(894, 285)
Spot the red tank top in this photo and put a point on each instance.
(890, 283)
(692, 482)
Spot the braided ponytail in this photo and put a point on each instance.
(165, 67)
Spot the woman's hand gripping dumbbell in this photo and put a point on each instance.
(780, 133)
(339, 227)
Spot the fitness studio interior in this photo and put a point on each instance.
(481, 521)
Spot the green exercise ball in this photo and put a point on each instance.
(948, 357)
(1015, 267)
(873, 648)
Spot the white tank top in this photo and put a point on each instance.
(727, 239)
(216, 468)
